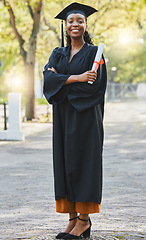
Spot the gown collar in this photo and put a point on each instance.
(69, 48)
(65, 51)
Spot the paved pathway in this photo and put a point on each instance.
(27, 209)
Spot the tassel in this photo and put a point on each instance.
(62, 35)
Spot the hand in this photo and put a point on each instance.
(87, 76)
(52, 69)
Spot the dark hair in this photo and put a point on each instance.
(87, 38)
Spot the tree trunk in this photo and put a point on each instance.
(28, 57)
(30, 91)
(30, 63)
(30, 78)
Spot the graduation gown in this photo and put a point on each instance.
(77, 124)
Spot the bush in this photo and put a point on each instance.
(2, 100)
(41, 101)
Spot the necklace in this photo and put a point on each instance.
(75, 51)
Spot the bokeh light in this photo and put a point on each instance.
(17, 84)
(126, 37)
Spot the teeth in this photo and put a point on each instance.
(75, 30)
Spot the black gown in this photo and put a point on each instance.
(77, 124)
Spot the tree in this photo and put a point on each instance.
(29, 55)
(113, 17)
(121, 26)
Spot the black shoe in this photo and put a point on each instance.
(63, 234)
(85, 234)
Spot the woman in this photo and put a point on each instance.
(77, 123)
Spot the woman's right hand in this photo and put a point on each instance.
(87, 76)
(84, 77)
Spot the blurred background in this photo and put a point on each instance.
(29, 33)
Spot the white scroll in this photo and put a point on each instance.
(97, 59)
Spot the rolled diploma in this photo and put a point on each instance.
(97, 57)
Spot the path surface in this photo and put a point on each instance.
(27, 209)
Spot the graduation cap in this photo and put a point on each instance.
(74, 8)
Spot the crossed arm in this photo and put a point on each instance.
(84, 77)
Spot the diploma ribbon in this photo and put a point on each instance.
(98, 63)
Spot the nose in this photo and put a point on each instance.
(75, 23)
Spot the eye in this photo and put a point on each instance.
(70, 21)
(80, 21)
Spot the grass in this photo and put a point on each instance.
(2, 100)
(120, 237)
(41, 101)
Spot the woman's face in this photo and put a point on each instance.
(76, 25)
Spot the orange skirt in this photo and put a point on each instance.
(64, 206)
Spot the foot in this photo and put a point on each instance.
(80, 227)
(70, 226)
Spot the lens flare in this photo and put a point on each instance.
(125, 37)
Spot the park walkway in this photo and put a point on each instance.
(27, 208)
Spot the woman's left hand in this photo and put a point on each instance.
(52, 69)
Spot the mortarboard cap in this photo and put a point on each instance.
(74, 8)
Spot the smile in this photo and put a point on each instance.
(75, 30)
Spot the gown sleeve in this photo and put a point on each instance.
(54, 89)
(84, 95)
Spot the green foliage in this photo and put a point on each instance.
(121, 237)
(2, 100)
(41, 101)
(128, 60)
(114, 20)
